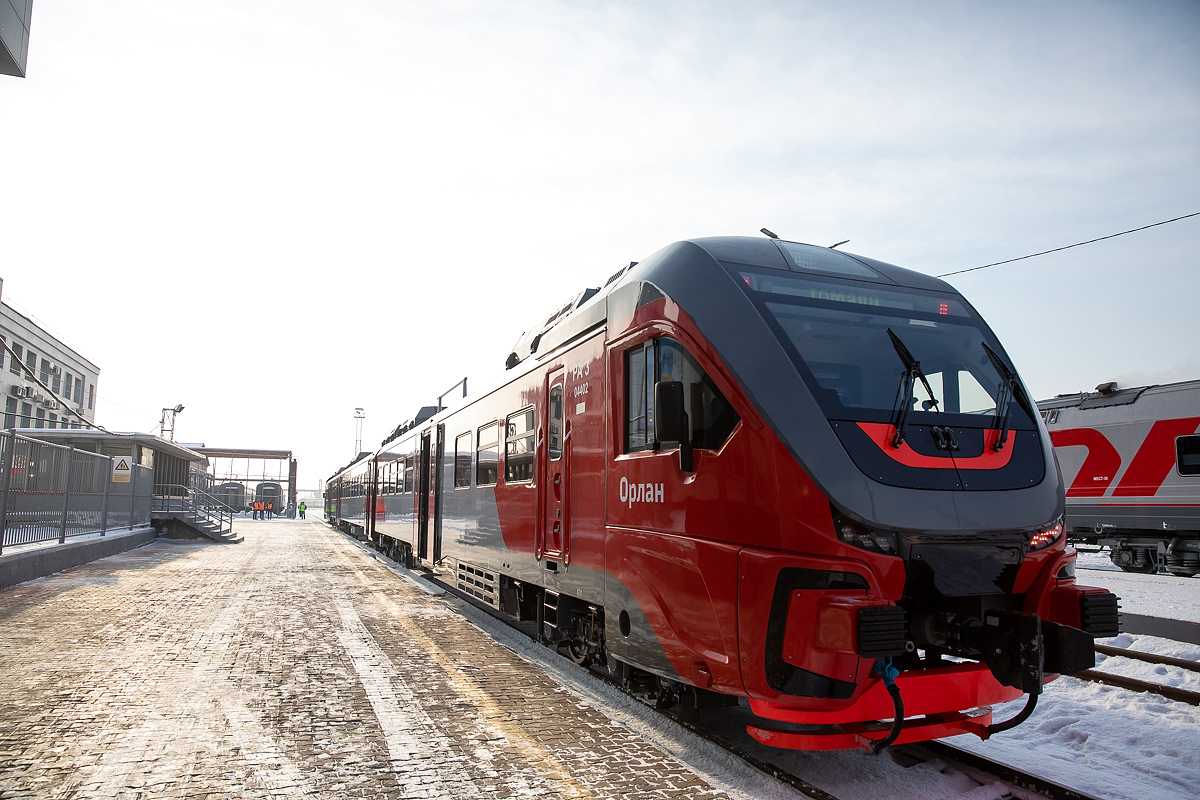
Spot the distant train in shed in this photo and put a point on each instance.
(761, 469)
(271, 492)
(1131, 461)
(232, 495)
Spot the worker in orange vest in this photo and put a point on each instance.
(257, 509)
(270, 507)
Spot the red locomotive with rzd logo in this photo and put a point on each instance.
(748, 468)
(1131, 460)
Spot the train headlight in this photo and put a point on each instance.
(1046, 536)
(861, 536)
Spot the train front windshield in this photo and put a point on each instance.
(837, 334)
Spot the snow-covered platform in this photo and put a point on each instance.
(295, 665)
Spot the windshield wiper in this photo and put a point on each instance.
(1004, 396)
(912, 372)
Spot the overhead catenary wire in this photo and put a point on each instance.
(1067, 247)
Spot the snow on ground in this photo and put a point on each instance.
(1167, 596)
(1108, 742)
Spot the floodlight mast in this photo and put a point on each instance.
(359, 416)
(166, 426)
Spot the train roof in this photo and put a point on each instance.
(588, 310)
(1110, 394)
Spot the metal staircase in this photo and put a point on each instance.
(196, 509)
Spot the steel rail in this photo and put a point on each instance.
(1134, 685)
(1150, 658)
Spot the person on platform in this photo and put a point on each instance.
(270, 508)
(303, 508)
(256, 506)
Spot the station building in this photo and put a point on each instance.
(14, 36)
(68, 375)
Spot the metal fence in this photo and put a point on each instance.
(48, 491)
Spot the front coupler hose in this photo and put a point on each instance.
(1009, 724)
(885, 670)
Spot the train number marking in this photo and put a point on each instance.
(580, 371)
(580, 389)
(640, 492)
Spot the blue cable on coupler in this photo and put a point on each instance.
(884, 669)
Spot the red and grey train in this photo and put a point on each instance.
(1131, 461)
(752, 468)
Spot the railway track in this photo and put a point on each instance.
(1024, 786)
(1136, 685)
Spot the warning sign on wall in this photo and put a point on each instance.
(122, 469)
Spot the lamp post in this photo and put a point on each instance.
(359, 416)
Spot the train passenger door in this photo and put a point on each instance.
(423, 499)
(555, 528)
(439, 462)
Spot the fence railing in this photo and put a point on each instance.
(49, 491)
(172, 497)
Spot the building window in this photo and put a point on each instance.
(26, 413)
(44, 372)
(68, 385)
(14, 365)
(56, 379)
(487, 455)
(79, 390)
(53, 421)
(31, 362)
(462, 461)
(10, 413)
(40, 418)
(91, 394)
(710, 416)
(519, 446)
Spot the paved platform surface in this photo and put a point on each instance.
(292, 665)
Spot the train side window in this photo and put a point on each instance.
(519, 446)
(1187, 455)
(462, 461)
(487, 467)
(408, 474)
(554, 438)
(710, 416)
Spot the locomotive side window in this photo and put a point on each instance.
(710, 416)
(488, 455)
(1187, 455)
(462, 461)
(554, 438)
(519, 446)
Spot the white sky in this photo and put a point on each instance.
(275, 211)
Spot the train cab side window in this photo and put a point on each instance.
(1187, 455)
(487, 461)
(554, 439)
(462, 461)
(519, 446)
(710, 416)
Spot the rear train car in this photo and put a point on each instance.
(761, 469)
(1131, 461)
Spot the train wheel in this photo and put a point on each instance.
(578, 652)
(1139, 569)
